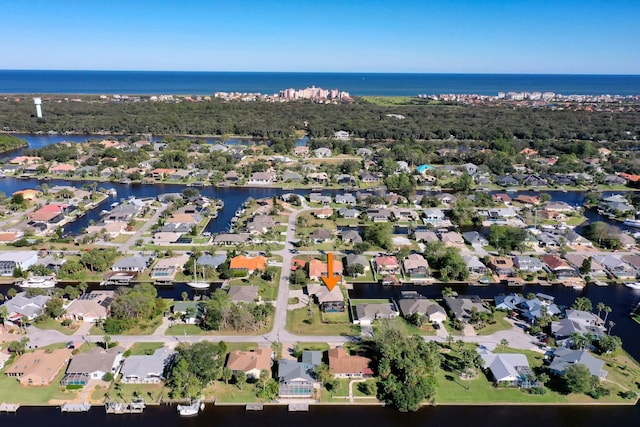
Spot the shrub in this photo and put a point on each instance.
(107, 377)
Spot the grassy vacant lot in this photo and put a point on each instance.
(12, 392)
(57, 326)
(146, 327)
(299, 322)
(231, 393)
(182, 329)
(127, 392)
(340, 394)
(409, 329)
(500, 325)
(142, 348)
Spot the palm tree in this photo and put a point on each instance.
(611, 325)
(600, 307)
(503, 343)
(607, 310)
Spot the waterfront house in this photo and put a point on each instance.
(329, 301)
(146, 369)
(527, 263)
(22, 308)
(250, 362)
(243, 293)
(262, 178)
(49, 214)
(474, 265)
(350, 236)
(378, 215)
(295, 379)
(474, 238)
(463, 306)
(260, 224)
(411, 302)
(353, 259)
(319, 198)
(9, 260)
(452, 238)
(322, 152)
(633, 261)
(564, 357)
(616, 266)
(366, 313)
(165, 269)
(93, 365)
(369, 178)
(577, 321)
(318, 268)
(507, 181)
(346, 199)
(527, 200)
(386, 264)
(507, 369)
(349, 213)
(211, 261)
(502, 266)
(576, 260)
(344, 365)
(38, 368)
(559, 267)
(190, 312)
(137, 263)
(416, 267)
(422, 235)
(231, 239)
(90, 307)
(248, 264)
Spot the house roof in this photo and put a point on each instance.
(242, 262)
(504, 367)
(250, 360)
(95, 360)
(564, 357)
(40, 363)
(340, 362)
(243, 293)
(289, 370)
(141, 366)
(414, 261)
(318, 268)
(323, 294)
(386, 261)
(374, 310)
(555, 262)
(312, 357)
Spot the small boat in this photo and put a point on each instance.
(190, 410)
(633, 285)
(198, 284)
(632, 223)
(40, 282)
(112, 192)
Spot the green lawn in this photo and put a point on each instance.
(241, 346)
(127, 392)
(12, 392)
(500, 325)
(340, 394)
(145, 348)
(358, 393)
(182, 329)
(231, 393)
(146, 327)
(299, 322)
(50, 323)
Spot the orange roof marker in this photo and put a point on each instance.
(330, 280)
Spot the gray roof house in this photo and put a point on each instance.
(507, 368)
(146, 369)
(346, 199)
(312, 357)
(474, 238)
(295, 379)
(411, 302)
(462, 306)
(23, 307)
(527, 263)
(425, 236)
(352, 259)
(321, 235)
(213, 261)
(93, 364)
(564, 357)
(351, 236)
(135, 263)
(348, 213)
(474, 265)
(243, 293)
(367, 313)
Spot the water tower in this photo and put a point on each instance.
(38, 103)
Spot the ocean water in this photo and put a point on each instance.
(381, 84)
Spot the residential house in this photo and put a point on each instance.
(250, 362)
(146, 369)
(344, 365)
(10, 260)
(462, 307)
(422, 235)
(510, 369)
(166, 268)
(369, 178)
(291, 177)
(322, 152)
(312, 357)
(452, 238)
(564, 357)
(416, 267)
(411, 302)
(386, 264)
(323, 213)
(404, 214)
(40, 367)
(49, 214)
(507, 181)
(23, 308)
(576, 260)
(321, 235)
(137, 263)
(318, 268)
(349, 213)
(90, 307)
(366, 313)
(231, 239)
(93, 365)
(260, 224)
(212, 261)
(528, 200)
(350, 236)
(616, 266)
(632, 261)
(502, 266)
(474, 238)
(243, 293)
(262, 178)
(378, 215)
(329, 301)
(190, 312)
(248, 264)
(319, 198)
(341, 135)
(353, 259)
(295, 379)
(474, 265)
(527, 263)
(301, 151)
(577, 321)
(559, 267)
(62, 169)
(346, 199)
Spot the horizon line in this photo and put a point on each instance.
(320, 72)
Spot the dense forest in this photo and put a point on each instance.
(361, 119)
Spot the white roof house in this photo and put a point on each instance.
(146, 369)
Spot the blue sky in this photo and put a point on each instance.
(481, 36)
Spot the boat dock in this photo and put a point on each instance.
(75, 407)
(117, 408)
(9, 407)
(254, 407)
(299, 407)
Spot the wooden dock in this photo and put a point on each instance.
(118, 408)
(9, 407)
(75, 407)
(254, 407)
(298, 407)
